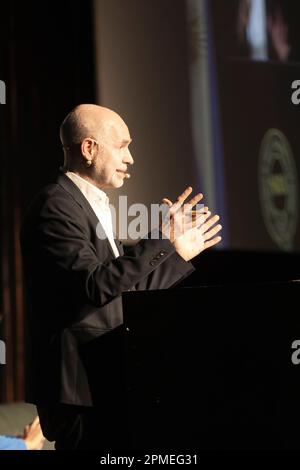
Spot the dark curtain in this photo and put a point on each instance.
(47, 63)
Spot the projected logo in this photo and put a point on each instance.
(278, 188)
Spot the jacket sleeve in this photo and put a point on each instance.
(167, 274)
(59, 244)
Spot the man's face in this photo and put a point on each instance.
(114, 157)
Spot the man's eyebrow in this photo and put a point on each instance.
(126, 141)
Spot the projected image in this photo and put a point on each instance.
(256, 43)
(245, 125)
(265, 30)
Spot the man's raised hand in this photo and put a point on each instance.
(190, 230)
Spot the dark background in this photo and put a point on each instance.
(47, 64)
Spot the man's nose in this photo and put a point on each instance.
(128, 157)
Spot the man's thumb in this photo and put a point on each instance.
(167, 201)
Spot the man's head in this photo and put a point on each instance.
(95, 141)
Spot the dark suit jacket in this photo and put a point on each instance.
(74, 286)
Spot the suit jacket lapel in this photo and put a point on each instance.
(119, 246)
(75, 192)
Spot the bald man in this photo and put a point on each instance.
(75, 279)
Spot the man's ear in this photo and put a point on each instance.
(87, 147)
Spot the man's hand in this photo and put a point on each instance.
(33, 436)
(190, 231)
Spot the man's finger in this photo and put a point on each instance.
(203, 210)
(192, 202)
(181, 199)
(35, 422)
(212, 242)
(211, 233)
(167, 201)
(209, 224)
(198, 219)
(194, 214)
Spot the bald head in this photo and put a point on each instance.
(96, 141)
(87, 120)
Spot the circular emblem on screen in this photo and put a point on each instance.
(278, 188)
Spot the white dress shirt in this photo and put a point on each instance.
(100, 205)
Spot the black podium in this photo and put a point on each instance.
(211, 367)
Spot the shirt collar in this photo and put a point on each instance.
(90, 191)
